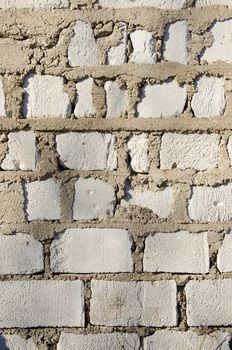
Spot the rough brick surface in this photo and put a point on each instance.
(209, 99)
(87, 151)
(224, 258)
(159, 202)
(167, 340)
(15, 342)
(45, 97)
(208, 303)
(41, 304)
(133, 303)
(143, 44)
(42, 200)
(154, 100)
(189, 151)
(117, 54)
(221, 48)
(163, 4)
(210, 203)
(178, 252)
(85, 106)
(22, 153)
(92, 250)
(116, 99)
(201, 3)
(113, 341)
(2, 100)
(138, 151)
(94, 199)
(176, 42)
(20, 254)
(82, 49)
(49, 4)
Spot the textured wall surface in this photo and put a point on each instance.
(116, 174)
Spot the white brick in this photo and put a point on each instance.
(92, 250)
(20, 254)
(167, 340)
(87, 151)
(209, 303)
(201, 3)
(224, 257)
(117, 54)
(138, 151)
(176, 39)
(114, 341)
(45, 97)
(94, 199)
(211, 203)
(221, 49)
(85, 106)
(209, 99)
(163, 4)
(42, 200)
(229, 146)
(195, 151)
(154, 100)
(22, 153)
(50, 4)
(160, 202)
(27, 304)
(2, 100)
(178, 252)
(143, 44)
(15, 342)
(133, 303)
(116, 99)
(82, 50)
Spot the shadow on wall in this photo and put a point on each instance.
(3, 345)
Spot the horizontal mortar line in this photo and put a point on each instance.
(160, 70)
(46, 230)
(118, 277)
(209, 125)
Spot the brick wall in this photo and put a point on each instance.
(116, 177)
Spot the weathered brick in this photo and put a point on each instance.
(144, 45)
(209, 98)
(176, 39)
(138, 151)
(177, 252)
(27, 304)
(15, 342)
(189, 151)
(116, 99)
(45, 97)
(117, 54)
(82, 50)
(42, 200)
(160, 202)
(221, 48)
(20, 254)
(210, 203)
(201, 3)
(87, 151)
(85, 106)
(163, 4)
(94, 199)
(209, 303)
(224, 258)
(92, 250)
(167, 340)
(49, 4)
(154, 98)
(22, 153)
(133, 303)
(113, 341)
